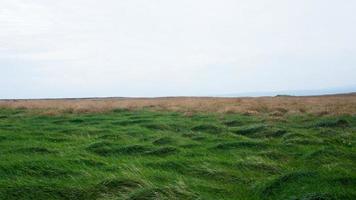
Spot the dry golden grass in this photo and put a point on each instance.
(276, 106)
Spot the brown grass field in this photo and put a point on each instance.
(342, 104)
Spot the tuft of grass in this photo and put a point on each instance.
(36, 169)
(275, 133)
(233, 123)
(166, 193)
(88, 162)
(157, 126)
(242, 145)
(127, 122)
(208, 128)
(258, 167)
(249, 129)
(108, 148)
(118, 187)
(32, 150)
(332, 123)
(279, 183)
(317, 196)
(163, 151)
(163, 141)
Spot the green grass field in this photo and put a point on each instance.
(164, 155)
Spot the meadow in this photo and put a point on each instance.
(181, 151)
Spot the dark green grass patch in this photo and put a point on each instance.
(340, 123)
(304, 185)
(278, 183)
(127, 122)
(157, 126)
(108, 148)
(88, 162)
(111, 137)
(164, 193)
(36, 169)
(208, 128)
(10, 138)
(42, 192)
(233, 123)
(34, 150)
(163, 141)
(57, 139)
(197, 170)
(274, 133)
(258, 167)
(274, 155)
(162, 151)
(114, 188)
(77, 121)
(241, 145)
(249, 129)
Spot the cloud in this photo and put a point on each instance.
(155, 48)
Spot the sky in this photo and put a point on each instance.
(137, 48)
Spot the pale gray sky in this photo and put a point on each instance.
(78, 48)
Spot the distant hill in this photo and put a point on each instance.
(328, 91)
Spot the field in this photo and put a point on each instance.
(179, 148)
(317, 105)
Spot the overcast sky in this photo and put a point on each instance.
(78, 48)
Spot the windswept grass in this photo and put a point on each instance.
(144, 154)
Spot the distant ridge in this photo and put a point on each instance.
(173, 97)
(317, 92)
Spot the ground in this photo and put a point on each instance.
(145, 154)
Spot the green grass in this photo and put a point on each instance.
(164, 155)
